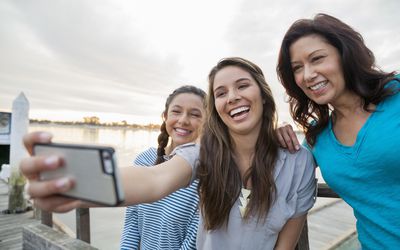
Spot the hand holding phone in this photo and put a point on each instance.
(93, 169)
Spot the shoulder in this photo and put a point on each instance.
(187, 151)
(295, 166)
(147, 157)
(301, 157)
(394, 85)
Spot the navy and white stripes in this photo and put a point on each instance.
(170, 223)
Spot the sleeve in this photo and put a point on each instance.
(306, 191)
(190, 152)
(189, 242)
(130, 238)
(146, 158)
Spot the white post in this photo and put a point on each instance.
(19, 127)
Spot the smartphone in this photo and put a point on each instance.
(93, 168)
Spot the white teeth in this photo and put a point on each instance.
(238, 110)
(181, 130)
(319, 85)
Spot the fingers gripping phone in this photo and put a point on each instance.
(93, 169)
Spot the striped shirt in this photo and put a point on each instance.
(170, 223)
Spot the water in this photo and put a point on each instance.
(127, 142)
(105, 223)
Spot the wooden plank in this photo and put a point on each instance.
(11, 224)
(83, 224)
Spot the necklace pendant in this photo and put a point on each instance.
(244, 200)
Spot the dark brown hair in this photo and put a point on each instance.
(163, 136)
(358, 64)
(219, 178)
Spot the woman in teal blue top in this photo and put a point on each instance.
(350, 113)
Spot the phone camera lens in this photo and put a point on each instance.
(108, 166)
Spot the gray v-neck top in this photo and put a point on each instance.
(295, 181)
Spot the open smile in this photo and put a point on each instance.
(239, 112)
(318, 86)
(182, 131)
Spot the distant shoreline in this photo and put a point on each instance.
(96, 125)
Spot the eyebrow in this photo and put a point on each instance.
(237, 81)
(191, 109)
(310, 55)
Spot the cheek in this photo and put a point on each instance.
(298, 80)
(169, 123)
(219, 106)
(196, 124)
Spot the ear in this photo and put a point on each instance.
(164, 116)
(263, 101)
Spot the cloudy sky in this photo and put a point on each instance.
(120, 59)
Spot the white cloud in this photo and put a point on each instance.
(126, 56)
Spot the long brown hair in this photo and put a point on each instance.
(219, 178)
(358, 64)
(164, 136)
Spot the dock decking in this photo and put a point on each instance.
(330, 224)
(11, 224)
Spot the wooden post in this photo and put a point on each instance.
(83, 224)
(46, 218)
(325, 191)
(19, 127)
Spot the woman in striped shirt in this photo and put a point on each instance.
(170, 223)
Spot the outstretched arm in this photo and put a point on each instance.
(140, 184)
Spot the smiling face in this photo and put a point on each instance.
(317, 69)
(238, 100)
(183, 119)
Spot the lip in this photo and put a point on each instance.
(182, 131)
(241, 117)
(240, 108)
(321, 87)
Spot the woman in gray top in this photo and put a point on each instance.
(253, 195)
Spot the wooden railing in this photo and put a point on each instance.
(323, 191)
(83, 220)
(82, 223)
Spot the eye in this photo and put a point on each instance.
(243, 86)
(317, 58)
(296, 68)
(197, 115)
(219, 94)
(175, 111)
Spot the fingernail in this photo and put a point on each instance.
(297, 147)
(45, 137)
(51, 161)
(62, 184)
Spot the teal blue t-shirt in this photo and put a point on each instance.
(367, 174)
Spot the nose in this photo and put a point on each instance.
(233, 96)
(184, 119)
(309, 73)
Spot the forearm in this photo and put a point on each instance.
(143, 185)
(290, 233)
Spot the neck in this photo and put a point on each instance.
(347, 106)
(168, 149)
(244, 149)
